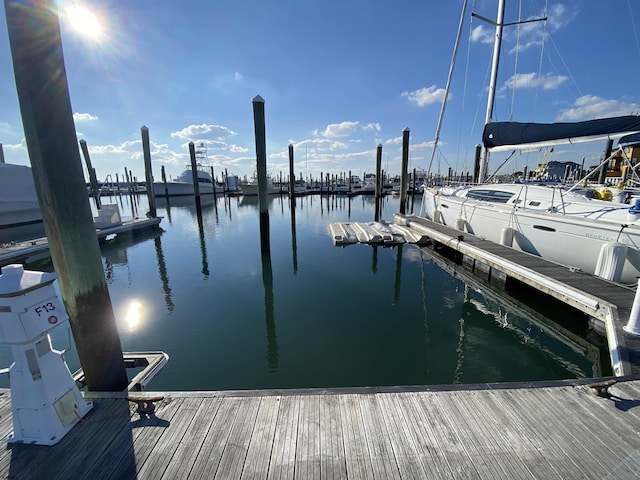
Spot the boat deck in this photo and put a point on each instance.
(479, 432)
(607, 301)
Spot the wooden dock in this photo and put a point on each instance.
(603, 300)
(560, 431)
(20, 252)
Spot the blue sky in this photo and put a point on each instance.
(338, 78)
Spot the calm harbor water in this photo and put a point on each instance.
(311, 314)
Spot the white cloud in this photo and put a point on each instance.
(237, 149)
(589, 107)
(198, 130)
(343, 129)
(84, 117)
(483, 34)
(238, 76)
(425, 96)
(532, 80)
(372, 127)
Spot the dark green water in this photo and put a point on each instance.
(312, 314)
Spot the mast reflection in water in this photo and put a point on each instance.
(310, 314)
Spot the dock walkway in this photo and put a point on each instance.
(477, 432)
(23, 251)
(606, 301)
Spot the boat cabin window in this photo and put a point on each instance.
(534, 204)
(495, 196)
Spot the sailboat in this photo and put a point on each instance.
(561, 224)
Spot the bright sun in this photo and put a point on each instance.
(84, 21)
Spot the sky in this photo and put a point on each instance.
(338, 77)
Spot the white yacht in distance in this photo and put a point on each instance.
(183, 185)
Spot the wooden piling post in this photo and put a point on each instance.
(261, 163)
(148, 174)
(194, 175)
(404, 173)
(47, 118)
(378, 182)
(92, 174)
(164, 181)
(1, 154)
(292, 180)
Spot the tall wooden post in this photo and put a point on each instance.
(164, 181)
(194, 175)
(476, 164)
(1, 154)
(378, 182)
(47, 118)
(92, 173)
(602, 176)
(261, 164)
(148, 174)
(404, 181)
(292, 180)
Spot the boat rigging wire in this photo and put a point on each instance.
(449, 77)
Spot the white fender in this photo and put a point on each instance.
(506, 236)
(611, 261)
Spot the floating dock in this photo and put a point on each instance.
(554, 431)
(608, 302)
(20, 252)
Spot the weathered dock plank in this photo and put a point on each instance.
(188, 449)
(359, 464)
(557, 431)
(333, 464)
(260, 445)
(283, 457)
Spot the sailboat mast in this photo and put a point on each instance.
(446, 91)
(484, 163)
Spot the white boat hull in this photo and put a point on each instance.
(252, 189)
(181, 189)
(569, 240)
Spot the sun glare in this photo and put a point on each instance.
(83, 21)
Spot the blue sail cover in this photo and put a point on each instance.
(508, 135)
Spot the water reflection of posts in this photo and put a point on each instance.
(272, 339)
(92, 174)
(404, 181)
(148, 175)
(203, 245)
(396, 283)
(378, 182)
(374, 259)
(194, 173)
(162, 270)
(50, 134)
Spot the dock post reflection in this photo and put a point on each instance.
(374, 259)
(203, 245)
(398, 277)
(162, 270)
(273, 355)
